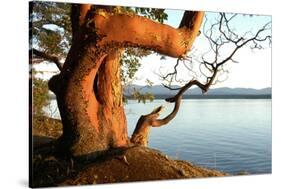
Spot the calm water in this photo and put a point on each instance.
(233, 136)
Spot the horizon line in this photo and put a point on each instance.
(210, 88)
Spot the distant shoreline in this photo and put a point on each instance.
(215, 96)
(53, 97)
(160, 92)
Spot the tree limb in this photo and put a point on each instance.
(140, 134)
(74, 16)
(151, 35)
(45, 56)
(189, 19)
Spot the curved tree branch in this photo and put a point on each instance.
(189, 19)
(140, 134)
(48, 57)
(151, 35)
(177, 98)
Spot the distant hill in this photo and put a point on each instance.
(224, 92)
(159, 91)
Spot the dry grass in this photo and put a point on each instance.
(45, 126)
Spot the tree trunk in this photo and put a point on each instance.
(90, 103)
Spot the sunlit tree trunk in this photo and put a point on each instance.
(90, 103)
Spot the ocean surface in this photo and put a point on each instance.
(230, 135)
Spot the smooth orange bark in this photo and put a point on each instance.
(137, 31)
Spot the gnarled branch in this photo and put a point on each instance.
(48, 57)
(140, 134)
(145, 33)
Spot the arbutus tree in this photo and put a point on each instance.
(88, 88)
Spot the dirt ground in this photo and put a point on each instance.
(119, 165)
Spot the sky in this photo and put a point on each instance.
(252, 71)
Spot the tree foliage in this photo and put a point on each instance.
(51, 27)
(40, 96)
(51, 33)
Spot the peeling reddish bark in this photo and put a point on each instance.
(110, 97)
